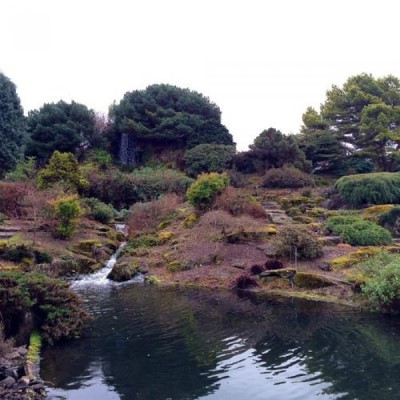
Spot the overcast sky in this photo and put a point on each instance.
(263, 62)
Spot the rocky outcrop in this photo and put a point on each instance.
(15, 382)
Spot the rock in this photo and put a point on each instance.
(22, 350)
(7, 382)
(24, 380)
(123, 271)
(240, 264)
(307, 280)
(286, 273)
(13, 355)
(325, 266)
(332, 240)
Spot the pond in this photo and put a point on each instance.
(152, 343)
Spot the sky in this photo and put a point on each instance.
(262, 62)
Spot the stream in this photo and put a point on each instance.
(169, 343)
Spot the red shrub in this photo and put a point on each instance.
(11, 198)
(144, 217)
(244, 282)
(273, 264)
(238, 202)
(256, 269)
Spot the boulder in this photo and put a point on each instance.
(123, 271)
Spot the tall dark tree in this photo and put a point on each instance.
(12, 125)
(169, 116)
(66, 127)
(364, 115)
(321, 147)
(273, 149)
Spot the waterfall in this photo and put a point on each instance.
(126, 153)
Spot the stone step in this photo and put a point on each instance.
(6, 235)
(10, 228)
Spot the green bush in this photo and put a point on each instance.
(390, 220)
(358, 232)
(286, 177)
(292, 239)
(382, 280)
(56, 309)
(208, 157)
(124, 189)
(375, 188)
(66, 210)
(205, 188)
(99, 211)
(62, 168)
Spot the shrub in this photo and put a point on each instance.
(62, 168)
(144, 217)
(155, 182)
(390, 220)
(273, 264)
(286, 177)
(300, 239)
(358, 232)
(123, 189)
(205, 188)
(11, 198)
(375, 188)
(244, 282)
(382, 280)
(66, 210)
(99, 211)
(238, 202)
(56, 309)
(256, 269)
(208, 157)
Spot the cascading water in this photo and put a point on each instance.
(126, 153)
(99, 278)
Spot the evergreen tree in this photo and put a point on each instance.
(168, 116)
(60, 126)
(12, 125)
(364, 117)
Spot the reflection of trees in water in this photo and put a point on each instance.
(159, 343)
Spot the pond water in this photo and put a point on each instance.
(151, 343)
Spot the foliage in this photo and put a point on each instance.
(12, 125)
(238, 202)
(358, 232)
(24, 170)
(59, 126)
(35, 343)
(66, 210)
(144, 217)
(382, 280)
(286, 177)
(271, 149)
(374, 188)
(273, 264)
(256, 269)
(123, 189)
(320, 146)
(205, 188)
(100, 157)
(298, 239)
(56, 309)
(11, 198)
(99, 211)
(390, 220)
(364, 117)
(244, 282)
(168, 115)
(62, 168)
(208, 157)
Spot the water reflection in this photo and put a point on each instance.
(151, 343)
